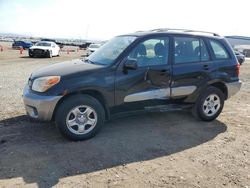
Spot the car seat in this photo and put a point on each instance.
(140, 54)
(160, 53)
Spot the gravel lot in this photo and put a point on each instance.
(152, 150)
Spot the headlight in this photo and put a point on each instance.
(42, 84)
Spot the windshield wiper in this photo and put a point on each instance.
(91, 61)
(86, 60)
(95, 63)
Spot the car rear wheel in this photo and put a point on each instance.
(210, 104)
(80, 117)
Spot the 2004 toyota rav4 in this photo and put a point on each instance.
(161, 69)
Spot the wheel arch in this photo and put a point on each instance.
(221, 86)
(94, 93)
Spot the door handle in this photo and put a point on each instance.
(205, 67)
(164, 72)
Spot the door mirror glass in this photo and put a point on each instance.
(131, 64)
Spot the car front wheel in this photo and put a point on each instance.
(31, 54)
(49, 54)
(210, 104)
(80, 117)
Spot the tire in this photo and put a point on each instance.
(209, 104)
(49, 54)
(76, 127)
(31, 55)
(241, 61)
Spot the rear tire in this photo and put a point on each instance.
(80, 117)
(209, 104)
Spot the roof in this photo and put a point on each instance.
(46, 41)
(175, 31)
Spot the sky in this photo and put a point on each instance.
(103, 19)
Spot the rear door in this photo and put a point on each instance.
(192, 66)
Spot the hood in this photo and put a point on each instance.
(41, 47)
(65, 69)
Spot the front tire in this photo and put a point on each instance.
(31, 54)
(241, 61)
(80, 117)
(209, 105)
(49, 54)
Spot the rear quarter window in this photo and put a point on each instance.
(219, 50)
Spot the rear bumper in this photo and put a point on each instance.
(38, 106)
(233, 88)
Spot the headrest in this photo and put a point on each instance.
(159, 49)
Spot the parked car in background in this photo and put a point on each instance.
(84, 45)
(21, 44)
(49, 40)
(92, 48)
(61, 45)
(44, 49)
(240, 57)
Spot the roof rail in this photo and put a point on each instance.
(184, 30)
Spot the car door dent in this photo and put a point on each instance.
(182, 91)
(148, 95)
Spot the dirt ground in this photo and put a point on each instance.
(154, 150)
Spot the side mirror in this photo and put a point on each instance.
(131, 64)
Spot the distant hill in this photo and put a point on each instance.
(238, 37)
(10, 37)
(235, 40)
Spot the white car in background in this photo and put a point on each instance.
(92, 48)
(44, 49)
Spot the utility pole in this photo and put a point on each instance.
(87, 32)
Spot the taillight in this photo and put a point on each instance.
(238, 69)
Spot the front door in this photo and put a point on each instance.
(151, 80)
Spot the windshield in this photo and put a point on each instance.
(43, 44)
(111, 50)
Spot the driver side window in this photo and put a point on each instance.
(151, 52)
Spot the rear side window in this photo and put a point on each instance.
(219, 51)
(189, 49)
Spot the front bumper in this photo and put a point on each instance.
(233, 88)
(39, 106)
(38, 52)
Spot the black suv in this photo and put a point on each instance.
(157, 70)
